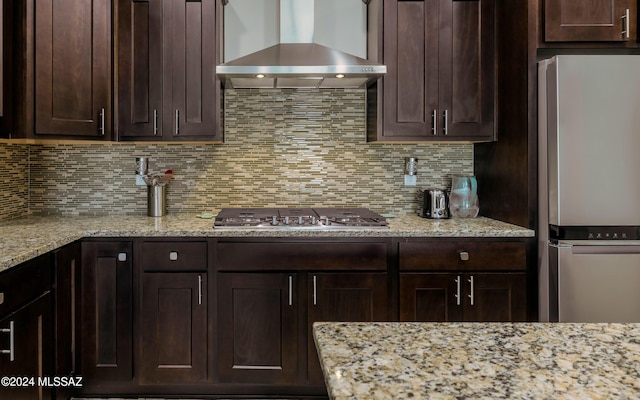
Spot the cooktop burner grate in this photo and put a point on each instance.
(305, 218)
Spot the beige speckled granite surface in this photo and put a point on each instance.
(479, 360)
(26, 238)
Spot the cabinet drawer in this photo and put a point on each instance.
(24, 283)
(473, 256)
(329, 255)
(173, 256)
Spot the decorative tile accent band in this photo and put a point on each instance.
(283, 147)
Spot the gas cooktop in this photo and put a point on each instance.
(299, 218)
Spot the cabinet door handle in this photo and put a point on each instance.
(155, 122)
(471, 292)
(199, 289)
(458, 290)
(122, 257)
(315, 290)
(177, 121)
(625, 24)
(102, 121)
(12, 334)
(445, 117)
(434, 122)
(290, 290)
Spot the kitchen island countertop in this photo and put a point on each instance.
(479, 360)
(25, 238)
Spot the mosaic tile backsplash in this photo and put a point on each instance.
(14, 180)
(283, 147)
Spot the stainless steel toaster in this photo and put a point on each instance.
(433, 203)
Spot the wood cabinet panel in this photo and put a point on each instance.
(496, 297)
(590, 20)
(65, 287)
(354, 297)
(440, 83)
(22, 284)
(107, 309)
(32, 327)
(73, 68)
(167, 87)
(447, 255)
(302, 255)
(429, 297)
(259, 313)
(477, 297)
(174, 328)
(139, 68)
(173, 256)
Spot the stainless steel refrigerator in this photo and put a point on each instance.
(589, 188)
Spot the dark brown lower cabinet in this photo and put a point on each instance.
(174, 328)
(451, 296)
(106, 312)
(258, 328)
(65, 287)
(263, 321)
(355, 297)
(31, 353)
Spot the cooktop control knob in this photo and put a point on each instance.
(314, 220)
(274, 220)
(299, 220)
(326, 221)
(286, 220)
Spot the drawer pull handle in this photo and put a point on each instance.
(464, 256)
(458, 290)
(12, 333)
(173, 256)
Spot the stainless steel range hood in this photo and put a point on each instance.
(298, 62)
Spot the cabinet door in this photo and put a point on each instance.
(139, 68)
(190, 86)
(32, 349)
(106, 301)
(467, 65)
(67, 267)
(355, 297)
(174, 328)
(258, 326)
(589, 20)
(495, 297)
(73, 68)
(430, 297)
(410, 87)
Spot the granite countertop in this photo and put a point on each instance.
(479, 360)
(25, 238)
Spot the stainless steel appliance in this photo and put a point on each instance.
(589, 190)
(433, 203)
(299, 218)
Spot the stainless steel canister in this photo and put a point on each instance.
(157, 200)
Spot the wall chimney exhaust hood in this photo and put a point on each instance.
(297, 61)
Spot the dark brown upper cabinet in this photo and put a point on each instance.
(62, 69)
(440, 80)
(167, 87)
(590, 21)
